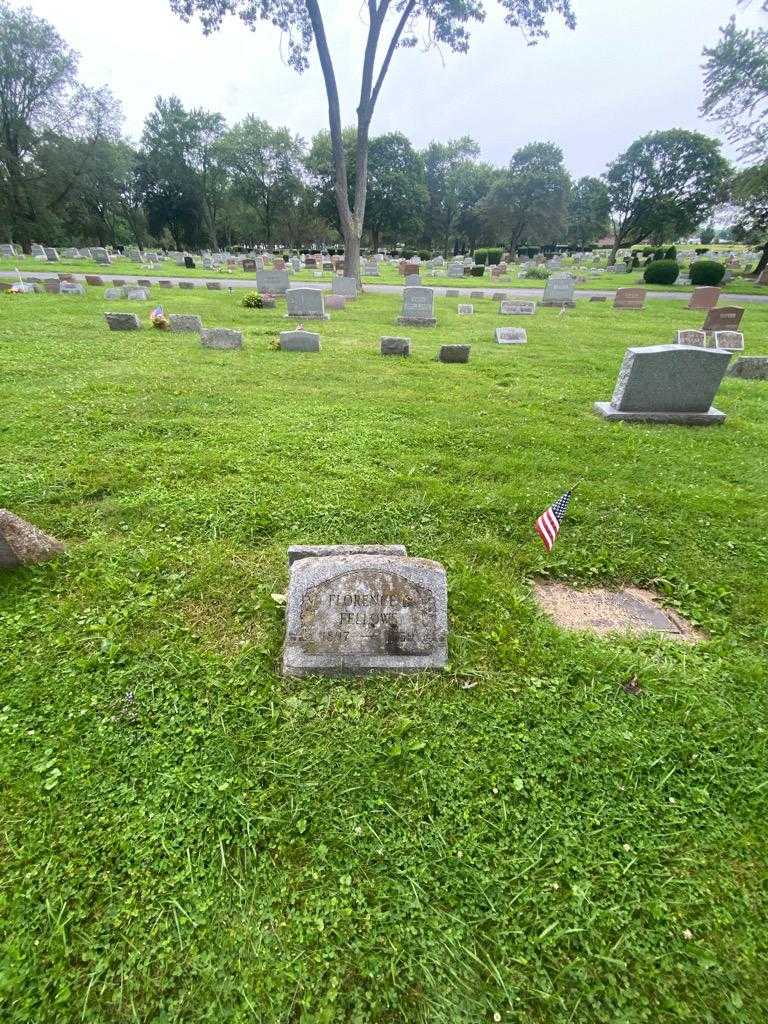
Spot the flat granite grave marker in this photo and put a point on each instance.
(94, 279)
(299, 341)
(305, 303)
(511, 336)
(123, 321)
(392, 346)
(221, 337)
(513, 307)
(477, 295)
(704, 298)
(730, 341)
(690, 337)
(723, 318)
(466, 309)
(365, 613)
(750, 368)
(453, 354)
(418, 307)
(187, 285)
(667, 384)
(629, 298)
(184, 323)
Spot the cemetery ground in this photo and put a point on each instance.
(560, 827)
(388, 274)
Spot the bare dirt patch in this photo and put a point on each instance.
(630, 610)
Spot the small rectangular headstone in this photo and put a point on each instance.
(165, 284)
(344, 286)
(454, 354)
(335, 302)
(365, 613)
(477, 295)
(418, 307)
(305, 303)
(690, 337)
(94, 279)
(184, 323)
(465, 309)
(558, 291)
(514, 307)
(276, 282)
(391, 346)
(221, 337)
(704, 298)
(750, 368)
(730, 341)
(299, 341)
(187, 285)
(723, 318)
(629, 298)
(123, 321)
(511, 336)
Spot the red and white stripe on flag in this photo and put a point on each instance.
(548, 527)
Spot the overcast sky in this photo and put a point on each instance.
(629, 68)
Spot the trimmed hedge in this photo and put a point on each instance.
(707, 272)
(661, 272)
(488, 257)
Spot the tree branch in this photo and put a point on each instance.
(393, 43)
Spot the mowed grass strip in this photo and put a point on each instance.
(186, 836)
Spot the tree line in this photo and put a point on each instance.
(69, 176)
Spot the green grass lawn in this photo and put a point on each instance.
(185, 836)
(388, 275)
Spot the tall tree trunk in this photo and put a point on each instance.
(762, 263)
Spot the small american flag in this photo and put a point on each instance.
(156, 313)
(548, 523)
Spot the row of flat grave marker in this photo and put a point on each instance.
(730, 341)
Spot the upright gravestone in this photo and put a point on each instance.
(221, 337)
(189, 263)
(455, 270)
(51, 255)
(305, 303)
(418, 308)
(101, 256)
(299, 341)
(364, 613)
(558, 291)
(344, 286)
(185, 323)
(629, 298)
(123, 321)
(704, 298)
(750, 368)
(668, 384)
(697, 339)
(730, 341)
(249, 266)
(453, 354)
(276, 282)
(412, 281)
(723, 318)
(391, 346)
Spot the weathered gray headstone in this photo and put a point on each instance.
(391, 346)
(361, 613)
(477, 295)
(453, 354)
(94, 279)
(299, 341)
(221, 337)
(511, 336)
(344, 286)
(731, 341)
(185, 323)
(455, 270)
(187, 285)
(70, 288)
(515, 307)
(100, 255)
(451, 293)
(465, 309)
(558, 291)
(690, 337)
(137, 294)
(668, 384)
(51, 255)
(418, 307)
(114, 293)
(165, 284)
(213, 286)
(750, 368)
(21, 543)
(276, 282)
(335, 302)
(305, 303)
(123, 321)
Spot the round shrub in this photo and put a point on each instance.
(539, 273)
(252, 300)
(661, 272)
(707, 272)
(671, 253)
(488, 256)
(477, 271)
